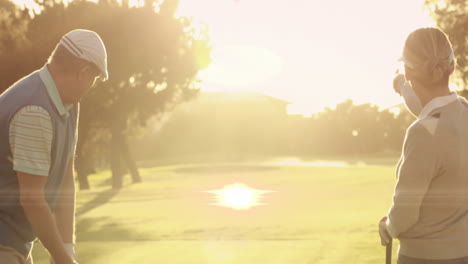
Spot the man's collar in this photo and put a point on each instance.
(53, 92)
(437, 103)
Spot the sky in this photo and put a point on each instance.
(311, 53)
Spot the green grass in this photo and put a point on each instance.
(316, 215)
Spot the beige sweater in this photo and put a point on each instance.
(429, 214)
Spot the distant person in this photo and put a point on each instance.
(429, 214)
(38, 135)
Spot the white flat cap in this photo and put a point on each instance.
(87, 45)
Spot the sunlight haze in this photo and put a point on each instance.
(311, 53)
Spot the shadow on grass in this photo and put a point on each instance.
(106, 182)
(225, 169)
(100, 199)
(101, 237)
(100, 233)
(218, 158)
(107, 229)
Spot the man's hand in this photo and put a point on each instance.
(384, 235)
(398, 83)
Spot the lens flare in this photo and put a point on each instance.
(238, 196)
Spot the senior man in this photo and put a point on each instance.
(38, 134)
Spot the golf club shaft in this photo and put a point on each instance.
(388, 254)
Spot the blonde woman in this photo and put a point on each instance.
(429, 214)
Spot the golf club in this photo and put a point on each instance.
(388, 252)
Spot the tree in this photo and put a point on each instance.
(452, 17)
(352, 129)
(154, 59)
(13, 25)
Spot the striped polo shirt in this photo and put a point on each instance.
(31, 132)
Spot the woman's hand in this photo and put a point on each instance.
(398, 83)
(384, 236)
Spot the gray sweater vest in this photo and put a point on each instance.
(15, 229)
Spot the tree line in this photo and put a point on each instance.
(238, 131)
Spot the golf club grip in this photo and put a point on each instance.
(388, 253)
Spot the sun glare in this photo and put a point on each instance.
(312, 55)
(242, 65)
(238, 196)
